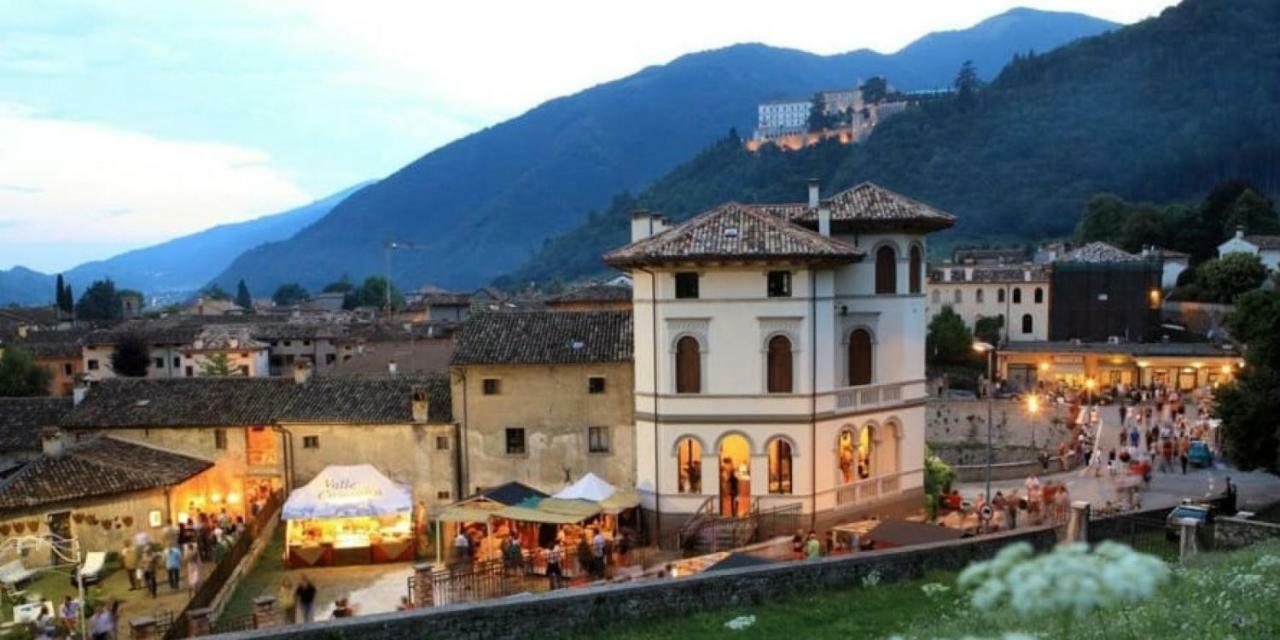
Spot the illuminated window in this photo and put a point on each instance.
(689, 464)
(780, 466)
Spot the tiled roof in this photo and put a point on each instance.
(22, 418)
(31, 315)
(1100, 252)
(182, 402)
(545, 337)
(593, 293)
(93, 468)
(211, 402)
(444, 298)
(297, 331)
(867, 207)
(1264, 242)
(367, 400)
(734, 232)
(411, 357)
(154, 333)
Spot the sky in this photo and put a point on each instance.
(127, 122)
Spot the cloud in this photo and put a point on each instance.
(75, 183)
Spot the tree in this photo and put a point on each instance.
(342, 285)
(289, 294)
(1102, 219)
(1143, 226)
(987, 328)
(218, 365)
(948, 340)
(61, 299)
(1252, 212)
(70, 300)
(1225, 278)
(132, 355)
(373, 293)
(243, 299)
(1248, 405)
(21, 376)
(874, 90)
(967, 83)
(99, 302)
(817, 117)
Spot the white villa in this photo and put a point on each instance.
(779, 355)
(1267, 248)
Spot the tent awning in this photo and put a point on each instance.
(347, 491)
(620, 501)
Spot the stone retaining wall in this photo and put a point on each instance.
(528, 616)
(1232, 533)
(1006, 470)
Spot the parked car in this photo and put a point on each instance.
(1199, 454)
(960, 394)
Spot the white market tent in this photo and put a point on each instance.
(590, 487)
(347, 492)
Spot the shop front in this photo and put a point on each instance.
(348, 515)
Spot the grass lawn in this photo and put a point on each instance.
(1219, 595)
(264, 578)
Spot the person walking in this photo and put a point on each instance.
(150, 566)
(598, 544)
(306, 598)
(555, 556)
(129, 562)
(173, 563)
(287, 600)
(193, 568)
(812, 548)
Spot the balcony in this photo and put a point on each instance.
(874, 489)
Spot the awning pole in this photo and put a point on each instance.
(439, 557)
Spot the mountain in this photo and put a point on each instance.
(481, 205)
(178, 266)
(1159, 111)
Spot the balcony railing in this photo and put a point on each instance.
(870, 397)
(871, 489)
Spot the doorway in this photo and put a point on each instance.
(735, 476)
(60, 529)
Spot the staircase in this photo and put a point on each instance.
(722, 534)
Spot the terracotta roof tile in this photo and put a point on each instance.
(545, 337)
(22, 418)
(96, 467)
(1100, 252)
(733, 232)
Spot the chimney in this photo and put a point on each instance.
(51, 442)
(391, 367)
(813, 193)
(421, 405)
(1240, 232)
(642, 222)
(824, 220)
(22, 331)
(301, 372)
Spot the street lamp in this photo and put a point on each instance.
(1033, 407)
(990, 351)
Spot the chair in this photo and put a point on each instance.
(14, 574)
(92, 569)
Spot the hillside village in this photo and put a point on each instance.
(762, 397)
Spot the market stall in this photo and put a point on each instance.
(348, 515)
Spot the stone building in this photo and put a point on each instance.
(1019, 293)
(277, 433)
(543, 397)
(780, 355)
(21, 422)
(101, 490)
(322, 346)
(180, 350)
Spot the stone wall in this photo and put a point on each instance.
(956, 422)
(1231, 533)
(1006, 470)
(575, 609)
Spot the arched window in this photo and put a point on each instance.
(846, 455)
(977, 296)
(936, 296)
(1039, 295)
(779, 466)
(859, 357)
(866, 443)
(886, 270)
(1000, 296)
(689, 462)
(913, 285)
(779, 365)
(1027, 323)
(688, 366)
(1017, 295)
(957, 296)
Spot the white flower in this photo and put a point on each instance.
(934, 588)
(741, 622)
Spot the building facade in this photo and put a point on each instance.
(543, 397)
(780, 118)
(1267, 248)
(1183, 366)
(1020, 294)
(780, 355)
(1102, 293)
